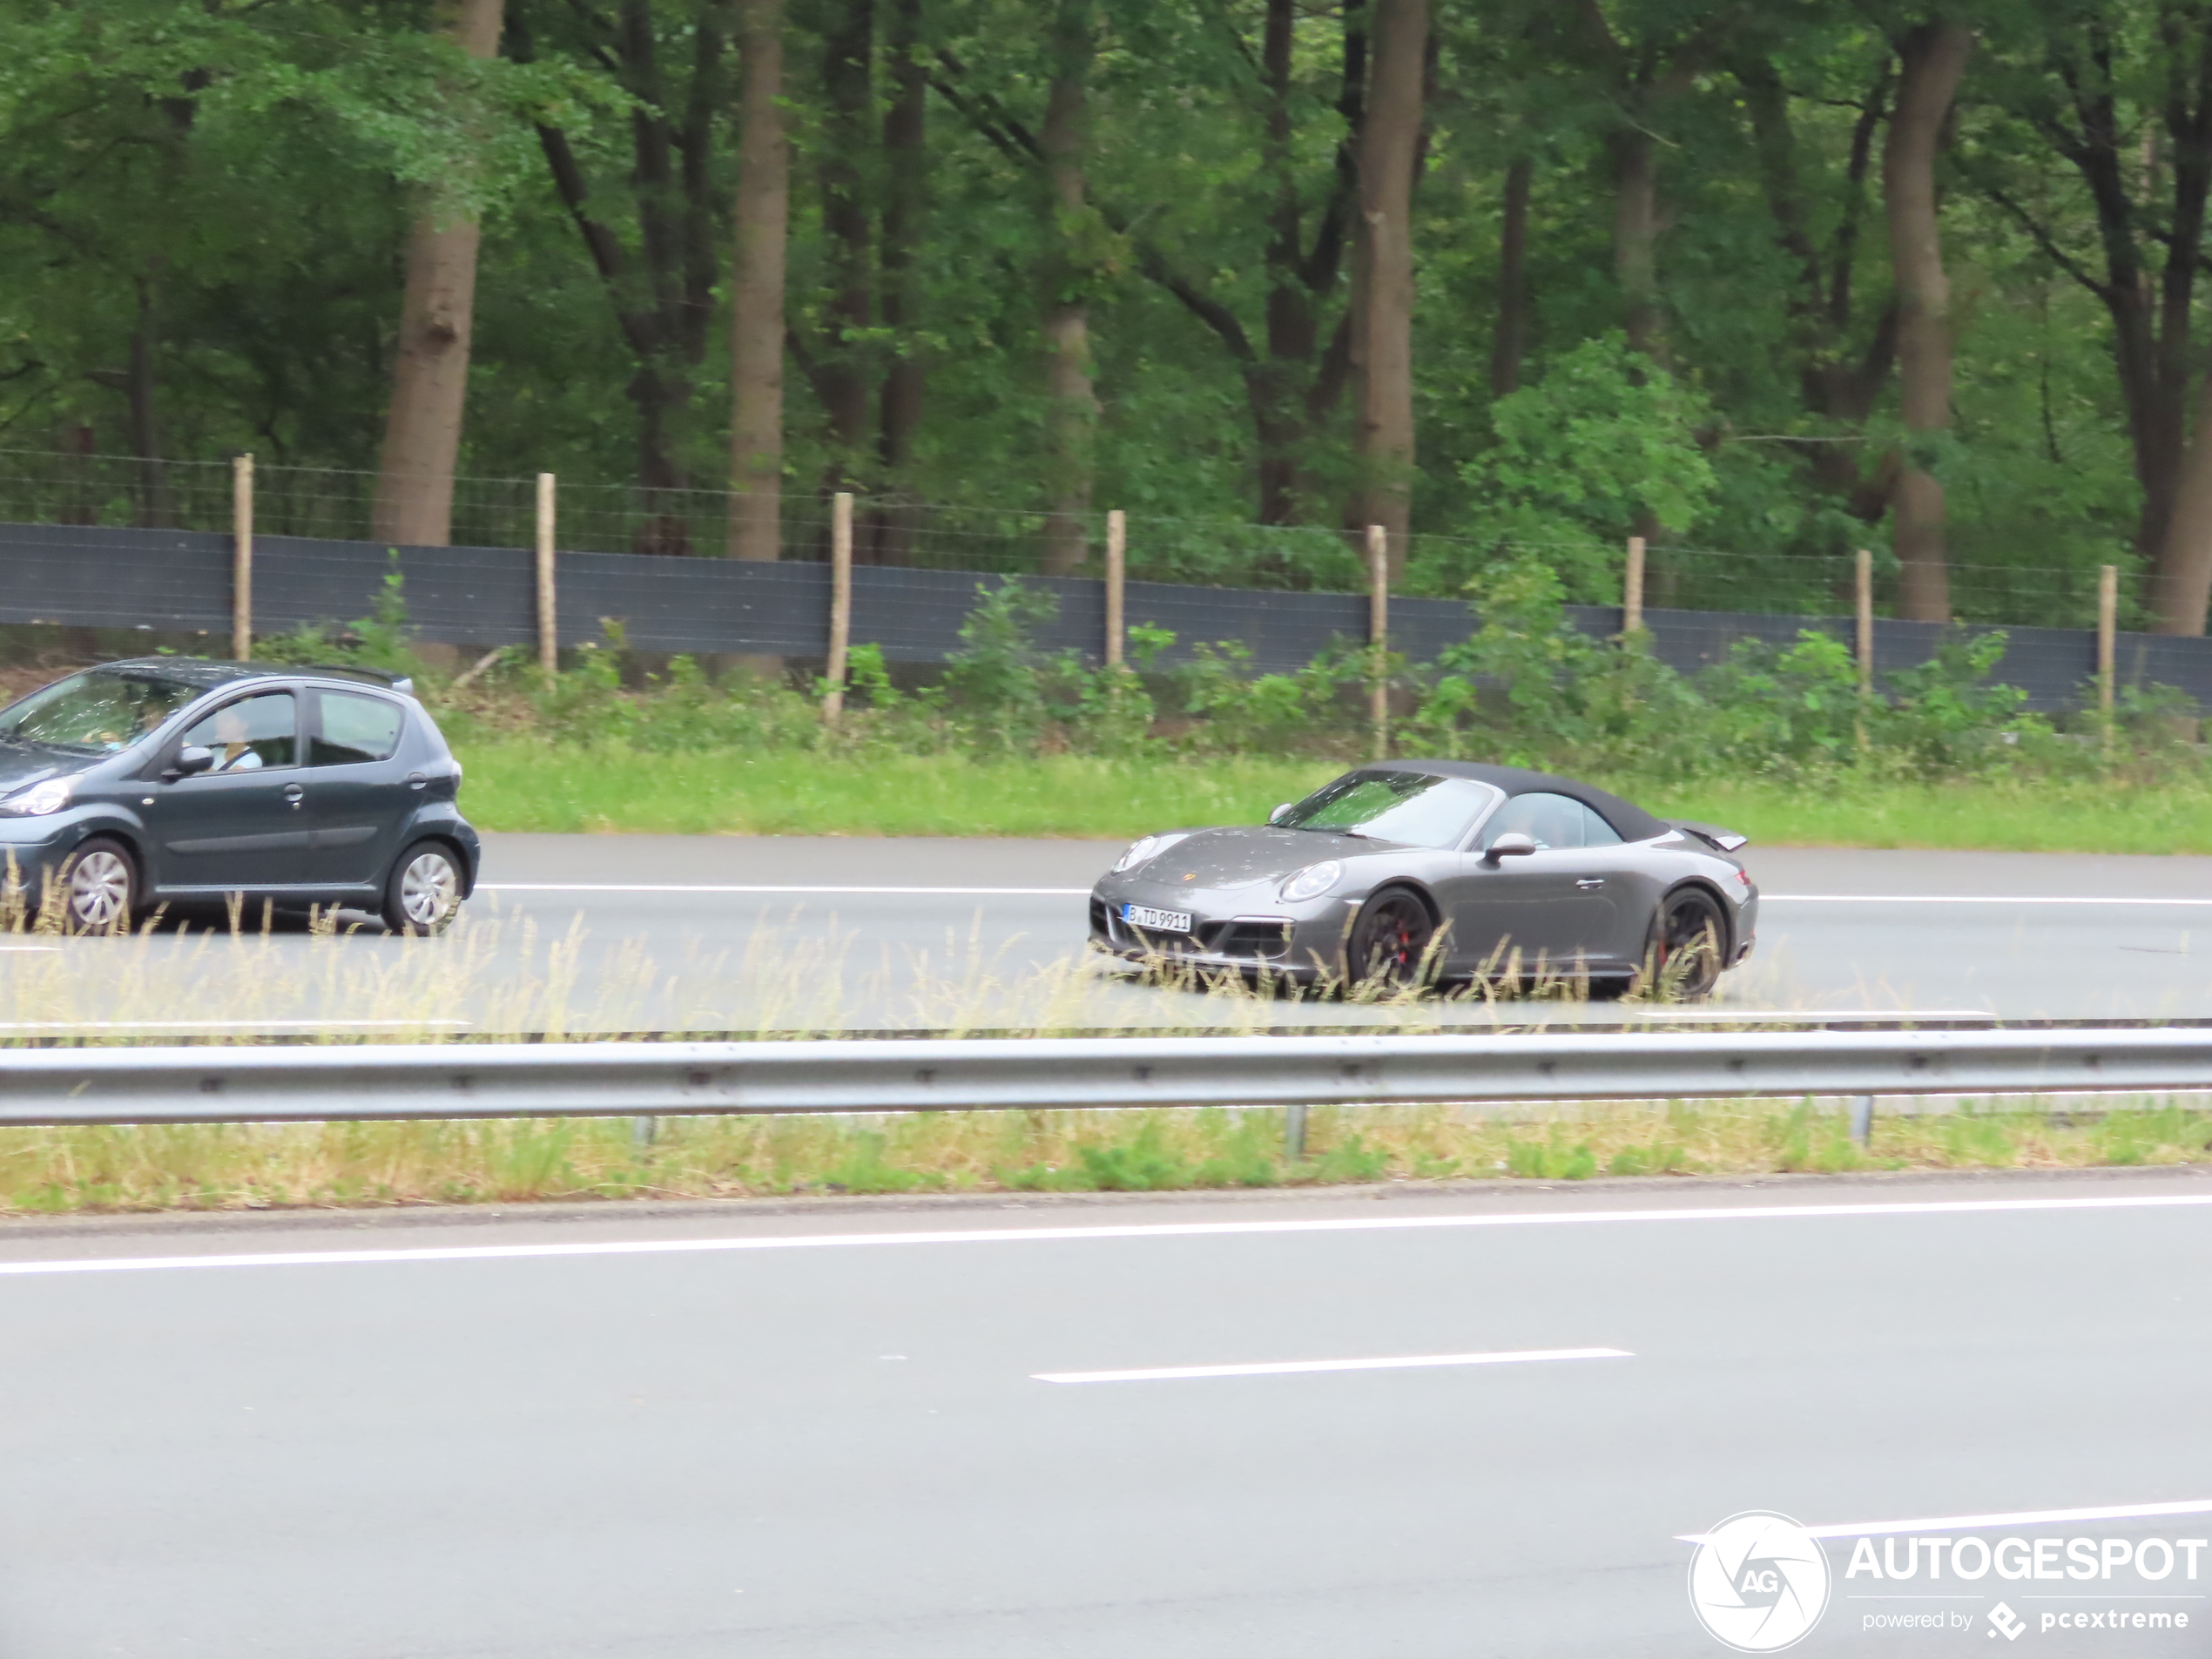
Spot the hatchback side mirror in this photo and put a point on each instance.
(1276, 817)
(190, 759)
(1512, 845)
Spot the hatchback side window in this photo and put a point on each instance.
(355, 728)
(250, 734)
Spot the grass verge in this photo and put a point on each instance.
(519, 784)
(259, 1167)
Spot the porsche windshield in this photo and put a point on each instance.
(1410, 808)
(96, 712)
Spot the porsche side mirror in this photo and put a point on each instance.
(1276, 817)
(190, 759)
(1512, 845)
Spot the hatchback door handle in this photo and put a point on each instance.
(416, 780)
(294, 793)
(1587, 883)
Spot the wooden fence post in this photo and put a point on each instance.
(242, 557)
(1862, 634)
(1379, 635)
(1117, 559)
(2108, 641)
(841, 624)
(548, 636)
(1632, 588)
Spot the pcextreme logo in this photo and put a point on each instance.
(1758, 1583)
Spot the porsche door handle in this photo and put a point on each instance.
(1589, 883)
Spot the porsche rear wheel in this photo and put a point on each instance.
(1687, 937)
(1390, 942)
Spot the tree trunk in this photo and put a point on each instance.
(1636, 237)
(905, 378)
(757, 289)
(413, 503)
(2180, 585)
(1507, 342)
(1932, 58)
(1383, 332)
(1071, 402)
(848, 100)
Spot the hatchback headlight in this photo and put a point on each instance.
(1313, 880)
(39, 800)
(1140, 850)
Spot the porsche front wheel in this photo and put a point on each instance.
(1390, 942)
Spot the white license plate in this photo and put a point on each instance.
(1157, 922)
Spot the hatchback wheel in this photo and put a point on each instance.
(424, 893)
(99, 889)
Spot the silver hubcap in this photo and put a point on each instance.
(99, 889)
(428, 889)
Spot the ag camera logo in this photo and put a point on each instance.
(1758, 1583)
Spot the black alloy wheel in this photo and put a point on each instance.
(1686, 949)
(1390, 942)
(99, 888)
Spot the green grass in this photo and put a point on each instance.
(515, 784)
(260, 1166)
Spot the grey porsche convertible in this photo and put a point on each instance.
(1418, 871)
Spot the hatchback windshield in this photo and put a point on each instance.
(96, 712)
(1408, 808)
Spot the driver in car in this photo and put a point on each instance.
(234, 750)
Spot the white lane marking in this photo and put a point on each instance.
(1958, 898)
(642, 886)
(1054, 1234)
(223, 1025)
(27, 947)
(1292, 1367)
(1976, 1523)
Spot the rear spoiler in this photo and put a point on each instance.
(1719, 839)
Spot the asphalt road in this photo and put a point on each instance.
(696, 1436)
(612, 933)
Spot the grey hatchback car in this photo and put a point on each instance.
(170, 780)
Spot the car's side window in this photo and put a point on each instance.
(1596, 832)
(251, 734)
(355, 728)
(1549, 820)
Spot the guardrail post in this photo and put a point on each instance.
(840, 626)
(1117, 562)
(549, 638)
(643, 1131)
(1862, 1118)
(242, 557)
(1294, 1133)
(1378, 636)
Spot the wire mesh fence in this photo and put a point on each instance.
(42, 487)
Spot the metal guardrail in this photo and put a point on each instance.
(647, 1079)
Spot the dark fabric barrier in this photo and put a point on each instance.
(180, 580)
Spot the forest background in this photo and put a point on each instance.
(1765, 283)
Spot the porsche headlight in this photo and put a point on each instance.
(39, 800)
(1140, 851)
(1313, 880)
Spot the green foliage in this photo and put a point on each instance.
(378, 640)
(1606, 441)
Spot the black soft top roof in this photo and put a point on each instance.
(1630, 822)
